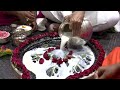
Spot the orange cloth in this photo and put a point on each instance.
(113, 57)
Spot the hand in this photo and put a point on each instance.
(75, 21)
(53, 27)
(108, 72)
(26, 15)
(34, 26)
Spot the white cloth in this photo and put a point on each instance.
(100, 20)
(41, 23)
(106, 20)
(56, 16)
(117, 27)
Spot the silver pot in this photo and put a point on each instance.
(85, 31)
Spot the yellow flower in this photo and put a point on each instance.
(9, 51)
(1, 50)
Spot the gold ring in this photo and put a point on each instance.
(27, 19)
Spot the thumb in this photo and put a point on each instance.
(96, 75)
(100, 72)
(103, 76)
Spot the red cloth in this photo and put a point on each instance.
(40, 15)
(6, 19)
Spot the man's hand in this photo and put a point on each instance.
(25, 14)
(53, 27)
(108, 72)
(75, 20)
(34, 26)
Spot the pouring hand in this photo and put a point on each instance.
(75, 20)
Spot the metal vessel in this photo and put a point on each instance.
(85, 31)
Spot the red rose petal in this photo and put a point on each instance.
(59, 61)
(69, 56)
(54, 60)
(70, 52)
(41, 61)
(46, 56)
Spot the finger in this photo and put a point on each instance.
(100, 71)
(70, 26)
(74, 25)
(56, 26)
(103, 76)
(67, 18)
(51, 27)
(79, 24)
(34, 26)
(77, 28)
(74, 28)
(96, 75)
(30, 15)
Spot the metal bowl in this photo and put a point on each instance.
(21, 29)
(17, 42)
(85, 31)
(18, 39)
(6, 39)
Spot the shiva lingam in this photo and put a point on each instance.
(77, 41)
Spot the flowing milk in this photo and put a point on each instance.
(64, 39)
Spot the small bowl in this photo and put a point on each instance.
(4, 37)
(23, 29)
(18, 39)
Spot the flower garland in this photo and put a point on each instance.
(16, 60)
(94, 67)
